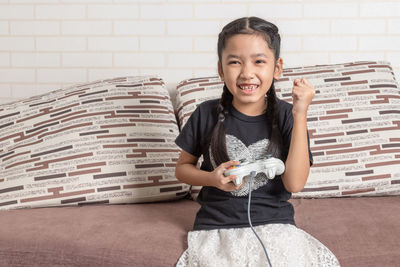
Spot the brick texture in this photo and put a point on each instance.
(109, 141)
(146, 37)
(353, 123)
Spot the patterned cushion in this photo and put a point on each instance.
(109, 141)
(353, 122)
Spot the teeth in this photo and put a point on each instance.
(248, 87)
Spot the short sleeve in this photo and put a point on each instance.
(188, 139)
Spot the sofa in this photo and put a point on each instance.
(87, 172)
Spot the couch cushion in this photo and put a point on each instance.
(353, 122)
(359, 231)
(151, 234)
(110, 141)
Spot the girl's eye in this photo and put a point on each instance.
(260, 61)
(233, 62)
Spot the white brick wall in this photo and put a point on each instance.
(59, 11)
(34, 60)
(47, 44)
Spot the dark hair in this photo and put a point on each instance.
(246, 25)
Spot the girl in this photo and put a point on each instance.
(249, 122)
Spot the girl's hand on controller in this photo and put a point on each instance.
(225, 182)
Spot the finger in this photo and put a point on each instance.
(306, 82)
(230, 178)
(239, 186)
(302, 82)
(231, 187)
(227, 184)
(228, 164)
(296, 91)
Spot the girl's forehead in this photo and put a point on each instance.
(247, 44)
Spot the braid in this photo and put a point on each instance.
(271, 104)
(218, 139)
(275, 144)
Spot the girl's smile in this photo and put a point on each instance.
(248, 89)
(248, 69)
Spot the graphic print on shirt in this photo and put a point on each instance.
(237, 151)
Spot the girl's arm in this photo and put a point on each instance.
(297, 165)
(187, 172)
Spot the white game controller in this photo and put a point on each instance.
(269, 165)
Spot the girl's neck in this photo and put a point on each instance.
(253, 109)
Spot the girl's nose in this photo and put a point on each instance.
(247, 72)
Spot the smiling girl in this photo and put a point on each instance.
(249, 122)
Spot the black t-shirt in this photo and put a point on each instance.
(247, 137)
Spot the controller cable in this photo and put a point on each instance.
(252, 175)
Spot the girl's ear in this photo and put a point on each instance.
(220, 72)
(278, 69)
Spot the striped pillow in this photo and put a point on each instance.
(109, 141)
(353, 122)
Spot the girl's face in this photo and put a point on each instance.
(248, 68)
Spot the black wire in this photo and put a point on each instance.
(252, 175)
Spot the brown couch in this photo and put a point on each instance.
(361, 231)
(351, 202)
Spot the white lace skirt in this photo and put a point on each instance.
(286, 245)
